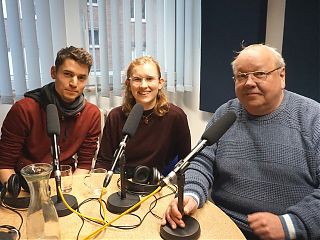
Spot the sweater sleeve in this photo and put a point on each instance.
(88, 147)
(199, 175)
(13, 134)
(305, 215)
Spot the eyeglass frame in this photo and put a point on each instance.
(246, 75)
(148, 79)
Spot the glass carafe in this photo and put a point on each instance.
(42, 217)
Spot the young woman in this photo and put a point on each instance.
(163, 133)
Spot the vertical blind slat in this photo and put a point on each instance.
(189, 35)
(30, 44)
(58, 24)
(180, 45)
(138, 28)
(15, 44)
(170, 44)
(93, 78)
(160, 34)
(44, 35)
(127, 50)
(103, 41)
(115, 33)
(151, 27)
(5, 81)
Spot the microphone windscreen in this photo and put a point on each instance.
(216, 130)
(133, 120)
(53, 124)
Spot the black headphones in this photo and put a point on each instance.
(11, 190)
(144, 180)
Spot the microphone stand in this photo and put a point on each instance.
(120, 201)
(192, 228)
(117, 155)
(61, 208)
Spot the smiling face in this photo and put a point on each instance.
(144, 83)
(70, 79)
(259, 97)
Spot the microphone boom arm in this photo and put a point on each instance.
(118, 155)
(182, 164)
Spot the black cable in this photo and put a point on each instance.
(152, 205)
(174, 191)
(114, 226)
(9, 227)
(82, 224)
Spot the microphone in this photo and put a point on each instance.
(53, 130)
(209, 137)
(118, 203)
(128, 130)
(132, 123)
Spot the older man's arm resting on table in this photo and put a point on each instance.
(5, 174)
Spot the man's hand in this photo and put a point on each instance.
(266, 225)
(172, 214)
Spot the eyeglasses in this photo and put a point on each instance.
(149, 80)
(257, 76)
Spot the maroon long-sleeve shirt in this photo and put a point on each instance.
(154, 144)
(24, 138)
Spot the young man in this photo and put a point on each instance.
(265, 170)
(24, 138)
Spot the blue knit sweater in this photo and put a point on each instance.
(269, 163)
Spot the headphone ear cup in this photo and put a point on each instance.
(14, 186)
(23, 183)
(144, 180)
(142, 174)
(156, 176)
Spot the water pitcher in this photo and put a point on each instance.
(42, 218)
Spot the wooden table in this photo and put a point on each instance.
(214, 223)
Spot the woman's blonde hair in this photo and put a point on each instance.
(162, 104)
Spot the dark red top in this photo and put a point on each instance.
(154, 144)
(24, 138)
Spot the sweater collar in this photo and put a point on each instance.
(270, 115)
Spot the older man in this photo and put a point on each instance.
(264, 172)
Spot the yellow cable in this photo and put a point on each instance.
(106, 224)
(103, 206)
(92, 235)
(74, 211)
